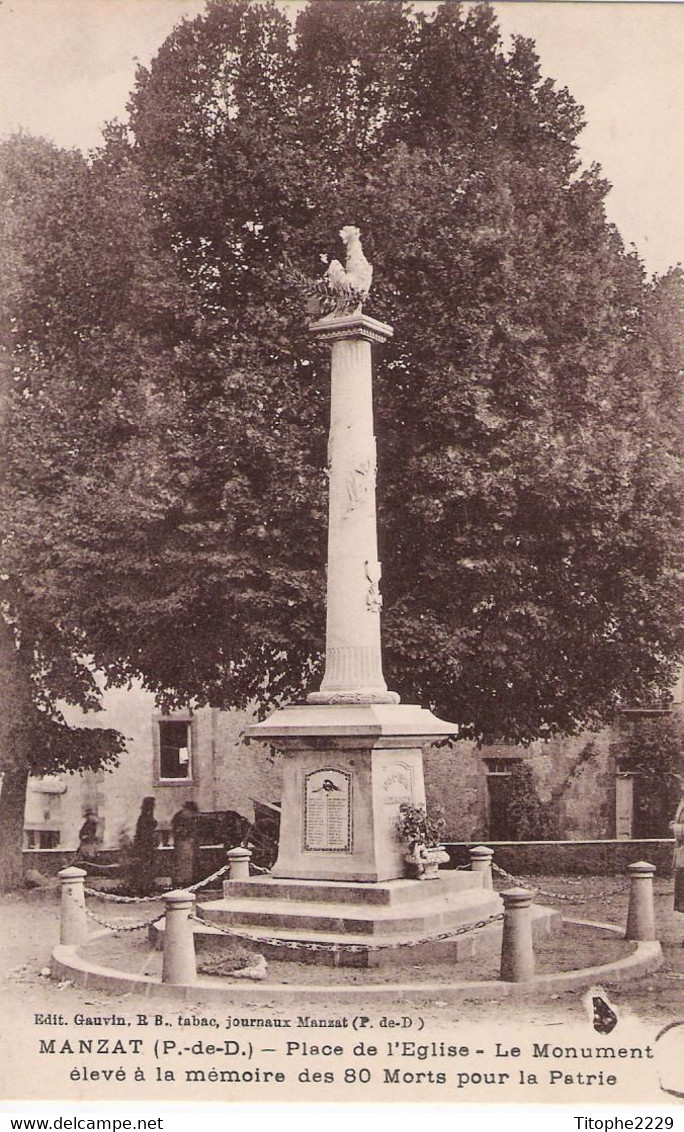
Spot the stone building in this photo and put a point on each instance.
(588, 788)
(581, 781)
(573, 778)
(183, 756)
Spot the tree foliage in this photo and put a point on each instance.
(171, 407)
(527, 818)
(41, 651)
(42, 662)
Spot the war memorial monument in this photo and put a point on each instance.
(352, 752)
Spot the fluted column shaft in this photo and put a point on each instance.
(353, 671)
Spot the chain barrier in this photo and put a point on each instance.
(568, 897)
(258, 869)
(123, 927)
(115, 898)
(276, 941)
(509, 876)
(120, 927)
(208, 880)
(310, 945)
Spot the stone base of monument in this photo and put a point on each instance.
(386, 923)
(347, 769)
(338, 893)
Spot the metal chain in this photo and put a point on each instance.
(538, 891)
(509, 876)
(120, 927)
(114, 898)
(138, 926)
(583, 899)
(294, 944)
(207, 880)
(569, 897)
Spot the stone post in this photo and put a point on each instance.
(640, 914)
(238, 859)
(481, 862)
(353, 661)
(73, 926)
(517, 952)
(179, 966)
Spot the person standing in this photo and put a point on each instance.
(87, 838)
(144, 863)
(677, 827)
(185, 845)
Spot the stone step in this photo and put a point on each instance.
(388, 893)
(339, 949)
(332, 938)
(278, 945)
(431, 916)
(335, 949)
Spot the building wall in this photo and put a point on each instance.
(454, 780)
(226, 774)
(253, 771)
(574, 778)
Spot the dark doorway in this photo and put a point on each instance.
(498, 785)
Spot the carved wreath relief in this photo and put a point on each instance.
(360, 483)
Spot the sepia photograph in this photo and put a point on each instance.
(341, 666)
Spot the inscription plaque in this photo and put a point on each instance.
(327, 811)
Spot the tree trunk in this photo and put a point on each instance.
(15, 710)
(12, 802)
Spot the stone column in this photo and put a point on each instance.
(517, 952)
(641, 914)
(481, 862)
(179, 965)
(73, 927)
(353, 661)
(353, 752)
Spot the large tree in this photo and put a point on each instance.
(43, 663)
(528, 502)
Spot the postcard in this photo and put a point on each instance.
(341, 478)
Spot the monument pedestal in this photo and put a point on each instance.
(347, 770)
(339, 882)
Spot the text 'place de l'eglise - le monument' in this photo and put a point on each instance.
(352, 752)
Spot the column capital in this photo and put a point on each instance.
(179, 898)
(358, 325)
(641, 869)
(71, 873)
(517, 897)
